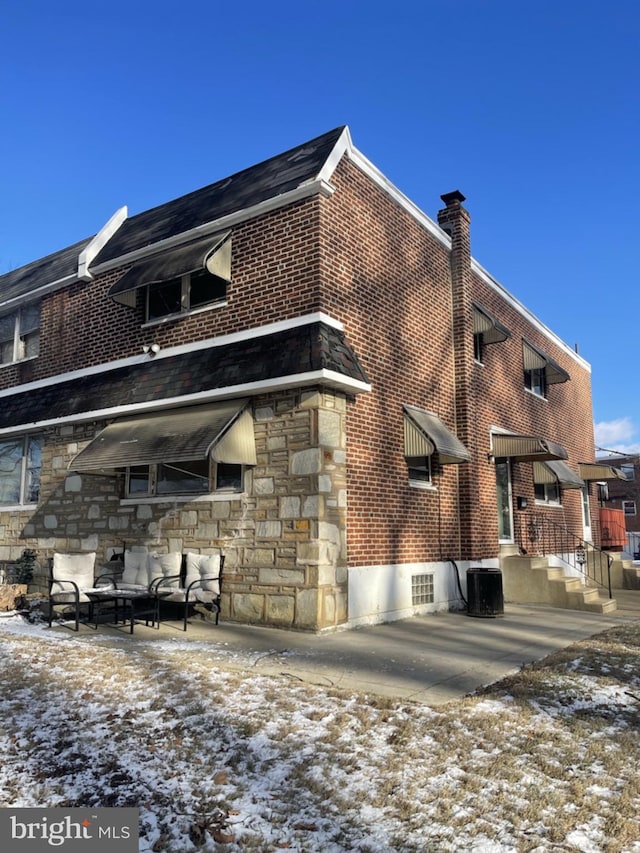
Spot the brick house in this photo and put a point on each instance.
(298, 367)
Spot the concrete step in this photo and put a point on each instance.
(530, 580)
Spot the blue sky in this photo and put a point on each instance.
(531, 109)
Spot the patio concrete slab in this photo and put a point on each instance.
(429, 659)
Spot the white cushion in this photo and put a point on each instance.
(200, 566)
(78, 568)
(136, 569)
(164, 566)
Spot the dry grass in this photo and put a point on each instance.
(525, 765)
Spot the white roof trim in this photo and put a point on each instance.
(317, 187)
(282, 383)
(522, 309)
(222, 340)
(404, 201)
(99, 242)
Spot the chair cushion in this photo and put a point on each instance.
(200, 566)
(164, 566)
(78, 568)
(136, 570)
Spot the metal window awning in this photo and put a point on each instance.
(599, 471)
(425, 434)
(212, 253)
(556, 471)
(536, 359)
(525, 448)
(224, 430)
(492, 330)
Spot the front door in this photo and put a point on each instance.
(505, 505)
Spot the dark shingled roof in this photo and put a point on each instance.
(249, 187)
(47, 270)
(305, 348)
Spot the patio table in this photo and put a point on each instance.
(114, 606)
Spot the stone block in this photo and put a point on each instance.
(306, 462)
(220, 509)
(280, 609)
(50, 522)
(263, 485)
(276, 577)
(290, 506)
(73, 483)
(325, 483)
(247, 607)
(260, 556)
(188, 518)
(330, 429)
(307, 609)
(268, 529)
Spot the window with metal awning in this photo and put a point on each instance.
(525, 448)
(599, 471)
(179, 440)
(540, 370)
(425, 434)
(556, 471)
(488, 326)
(208, 258)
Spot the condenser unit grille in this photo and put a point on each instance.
(422, 589)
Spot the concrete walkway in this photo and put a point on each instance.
(429, 659)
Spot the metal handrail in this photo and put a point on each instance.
(538, 534)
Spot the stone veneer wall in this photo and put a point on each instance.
(284, 538)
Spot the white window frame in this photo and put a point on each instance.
(548, 499)
(425, 482)
(24, 499)
(632, 508)
(19, 348)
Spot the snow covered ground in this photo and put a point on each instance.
(547, 760)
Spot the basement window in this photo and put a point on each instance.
(422, 589)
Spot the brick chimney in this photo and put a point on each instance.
(455, 220)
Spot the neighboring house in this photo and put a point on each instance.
(624, 494)
(296, 366)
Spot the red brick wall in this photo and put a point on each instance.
(389, 281)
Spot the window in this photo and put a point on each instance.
(548, 493)
(182, 478)
(535, 380)
(20, 465)
(486, 330)
(419, 470)
(629, 471)
(20, 334)
(478, 347)
(422, 589)
(629, 507)
(540, 371)
(185, 293)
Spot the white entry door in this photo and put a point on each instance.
(505, 503)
